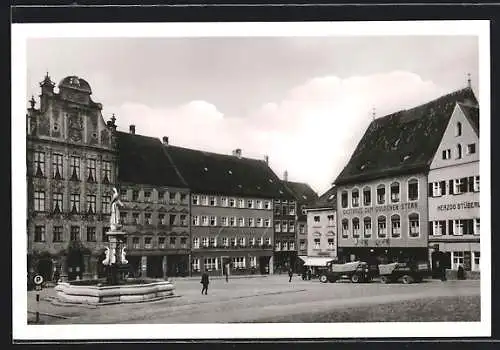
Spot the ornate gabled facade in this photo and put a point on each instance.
(71, 169)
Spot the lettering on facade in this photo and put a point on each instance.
(381, 208)
(458, 206)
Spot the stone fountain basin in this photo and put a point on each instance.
(131, 291)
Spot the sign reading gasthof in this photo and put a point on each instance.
(458, 206)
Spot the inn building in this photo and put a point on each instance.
(382, 193)
(231, 205)
(454, 192)
(156, 207)
(71, 170)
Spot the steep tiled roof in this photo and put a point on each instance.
(472, 114)
(302, 192)
(326, 200)
(404, 141)
(214, 173)
(142, 160)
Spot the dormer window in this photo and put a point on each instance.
(458, 129)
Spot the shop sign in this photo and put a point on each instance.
(381, 208)
(458, 206)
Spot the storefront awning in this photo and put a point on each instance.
(315, 260)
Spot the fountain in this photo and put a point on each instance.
(117, 288)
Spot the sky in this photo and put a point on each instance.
(303, 101)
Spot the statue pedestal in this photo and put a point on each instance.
(116, 268)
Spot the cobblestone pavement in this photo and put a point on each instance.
(245, 299)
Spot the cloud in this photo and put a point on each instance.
(311, 132)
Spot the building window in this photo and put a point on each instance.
(413, 190)
(39, 200)
(395, 192)
(381, 194)
(184, 220)
(250, 203)
(471, 148)
(106, 171)
(123, 217)
(302, 244)
(259, 222)
(253, 262)
(105, 237)
(267, 222)
(438, 228)
(161, 196)
(241, 222)
(477, 258)
(437, 189)
(183, 242)
(57, 165)
(291, 209)
(367, 197)
(233, 242)
(476, 226)
(196, 220)
(251, 222)
(204, 241)
(232, 221)
(183, 198)
(224, 221)
(241, 203)
(39, 163)
(161, 242)
(210, 264)
(57, 234)
(367, 224)
(172, 242)
(331, 220)
(317, 243)
(381, 227)
(355, 198)
(285, 209)
(195, 264)
(91, 234)
(252, 242)
(277, 210)
(267, 205)
(458, 259)
(316, 219)
(161, 219)
(106, 209)
(74, 233)
(123, 195)
(284, 245)
(57, 202)
(91, 170)
(238, 262)
(459, 151)
(147, 218)
(212, 201)
(460, 185)
(135, 195)
(74, 168)
(75, 203)
(446, 154)
(225, 242)
(476, 183)
(135, 218)
(458, 129)
(147, 196)
(355, 228)
(135, 242)
(258, 204)
(331, 244)
(204, 200)
(223, 201)
(268, 241)
(39, 233)
(344, 199)
(261, 241)
(302, 228)
(195, 200)
(91, 203)
(241, 241)
(291, 226)
(284, 226)
(204, 220)
(277, 226)
(345, 228)
(414, 225)
(196, 242)
(395, 226)
(232, 202)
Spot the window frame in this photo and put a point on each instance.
(379, 236)
(410, 235)
(413, 181)
(399, 234)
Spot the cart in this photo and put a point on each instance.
(404, 272)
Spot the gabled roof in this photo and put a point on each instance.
(142, 160)
(326, 200)
(302, 192)
(471, 112)
(213, 173)
(402, 142)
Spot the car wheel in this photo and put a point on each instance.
(323, 279)
(384, 279)
(354, 278)
(407, 279)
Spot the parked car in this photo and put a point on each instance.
(356, 271)
(404, 272)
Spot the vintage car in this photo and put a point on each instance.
(356, 271)
(406, 272)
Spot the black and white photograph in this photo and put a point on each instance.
(251, 180)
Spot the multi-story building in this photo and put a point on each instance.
(321, 230)
(231, 210)
(156, 212)
(71, 169)
(454, 193)
(382, 191)
(293, 242)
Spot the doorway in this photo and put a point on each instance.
(264, 264)
(155, 266)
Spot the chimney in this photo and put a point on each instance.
(266, 159)
(237, 152)
(165, 140)
(469, 85)
(132, 129)
(285, 176)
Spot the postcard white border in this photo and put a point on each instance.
(22, 331)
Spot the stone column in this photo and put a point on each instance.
(144, 266)
(164, 266)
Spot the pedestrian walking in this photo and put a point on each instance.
(290, 274)
(309, 273)
(204, 282)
